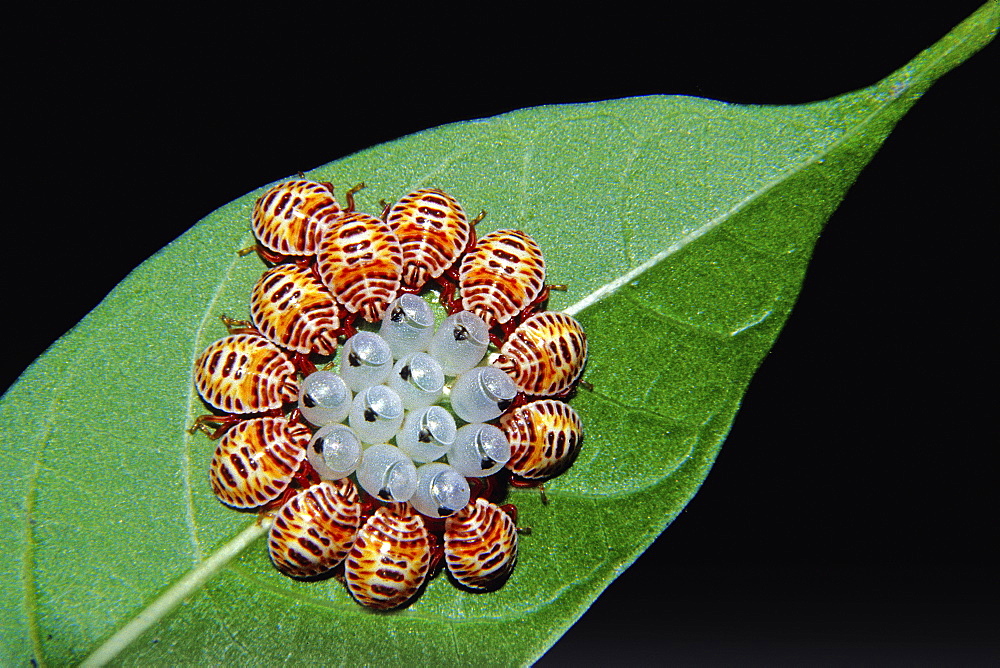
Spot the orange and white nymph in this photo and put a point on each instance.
(291, 307)
(245, 373)
(545, 438)
(361, 262)
(289, 216)
(433, 232)
(314, 530)
(480, 545)
(391, 558)
(545, 355)
(502, 279)
(256, 460)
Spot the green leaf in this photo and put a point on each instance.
(683, 228)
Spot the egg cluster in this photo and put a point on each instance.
(422, 418)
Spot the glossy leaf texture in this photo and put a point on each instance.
(682, 227)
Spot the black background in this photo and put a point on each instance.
(849, 515)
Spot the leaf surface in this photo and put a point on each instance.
(682, 227)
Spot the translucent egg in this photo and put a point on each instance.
(418, 379)
(324, 398)
(479, 450)
(440, 491)
(427, 434)
(376, 414)
(460, 342)
(366, 360)
(482, 394)
(408, 325)
(334, 451)
(387, 473)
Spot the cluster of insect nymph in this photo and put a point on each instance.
(360, 467)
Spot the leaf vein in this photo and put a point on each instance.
(441, 166)
(613, 286)
(457, 645)
(168, 600)
(192, 400)
(221, 621)
(648, 410)
(28, 562)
